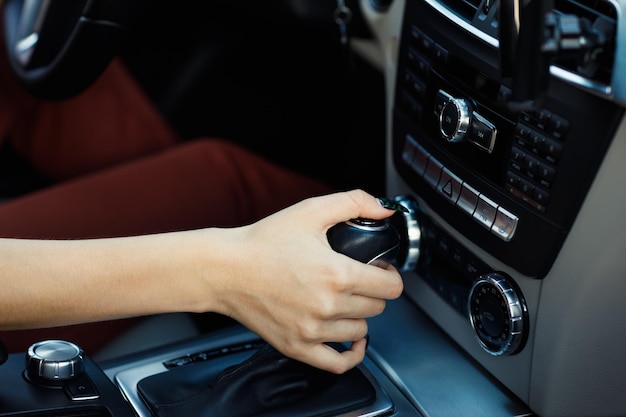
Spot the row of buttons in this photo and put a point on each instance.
(423, 42)
(483, 210)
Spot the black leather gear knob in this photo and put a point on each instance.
(375, 242)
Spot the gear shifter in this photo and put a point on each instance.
(268, 383)
(374, 242)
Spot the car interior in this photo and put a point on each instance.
(498, 125)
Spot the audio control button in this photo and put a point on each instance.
(498, 314)
(409, 150)
(505, 224)
(482, 133)
(420, 159)
(485, 212)
(468, 199)
(454, 119)
(433, 172)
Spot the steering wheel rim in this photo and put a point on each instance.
(57, 48)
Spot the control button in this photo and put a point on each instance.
(527, 187)
(552, 150)
(425, 42)
(419, 157)
(504, 94)
(541, 196)
(420, 64)
(546, 174)
(433, 172)
(513, 179)
(468, 199)
(454, 119)
(53, 362)
(505, 224)
(412, 106)
(536, 141)
(498, 314)
(416, 33)
(449, 185)
(408, 152)
(415, 85)
(485, 212)
(81, 389)
(441, 54)
(440, 100)
(518, 157)
(522, 131)
(543, 118)
(482, 133)
(558, 127)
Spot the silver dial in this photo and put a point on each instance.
(498, 314)
(54, 361)
(412, 231)
(454, 119)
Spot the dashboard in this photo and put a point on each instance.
(518, 205)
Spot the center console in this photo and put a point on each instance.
(514, 199)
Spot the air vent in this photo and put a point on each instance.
(603, 16)
(466, 9)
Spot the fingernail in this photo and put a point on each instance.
(391, 205)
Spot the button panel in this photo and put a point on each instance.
(482, 209)
(535, 154)
(538, 136)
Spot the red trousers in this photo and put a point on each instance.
(119, 169)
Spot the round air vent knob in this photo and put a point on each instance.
(454, 119)
(498, 314)
(53, 362)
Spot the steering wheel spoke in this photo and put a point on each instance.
(57, 48)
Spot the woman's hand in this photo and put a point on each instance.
(279, 277)
(294, 291)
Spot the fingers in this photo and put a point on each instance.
(325, 357)
(369, 281)
(342, 206)
(357, 278)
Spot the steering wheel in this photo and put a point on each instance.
(57, 48)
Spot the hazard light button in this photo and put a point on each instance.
(449, 185)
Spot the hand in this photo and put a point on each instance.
(297, 293)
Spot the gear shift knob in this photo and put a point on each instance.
(375, 242)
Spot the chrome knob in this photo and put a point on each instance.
(498, 314)
(53, 362)
(412, 233)
(454, 119)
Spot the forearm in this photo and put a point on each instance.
(47, 283)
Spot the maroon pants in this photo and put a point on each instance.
(121, 170)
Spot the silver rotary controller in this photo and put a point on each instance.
(53, 362)
(455, 118)
(498, 314)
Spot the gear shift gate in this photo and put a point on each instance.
(266, 384)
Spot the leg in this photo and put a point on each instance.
(109, 123)
(197, 184)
